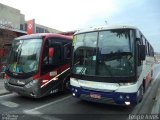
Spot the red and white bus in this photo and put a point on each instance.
(39, 64)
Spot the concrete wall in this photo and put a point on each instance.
(11, 16)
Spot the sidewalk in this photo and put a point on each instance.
(3, 91)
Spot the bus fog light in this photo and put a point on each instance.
(127, 103)
(73, 94)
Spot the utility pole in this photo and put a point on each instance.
(105, 22)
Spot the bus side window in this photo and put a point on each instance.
(67, 52)
(45, 53)
(56, 59)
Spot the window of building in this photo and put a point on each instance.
(21, 27)
(39, 30)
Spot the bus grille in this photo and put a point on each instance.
(102, 100)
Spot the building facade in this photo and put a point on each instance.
(13, 18)
(13, 24)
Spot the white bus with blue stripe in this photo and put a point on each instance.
(111, 65)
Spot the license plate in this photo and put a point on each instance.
(97, 96)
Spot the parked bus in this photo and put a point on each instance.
(111, 65)
(39, 64)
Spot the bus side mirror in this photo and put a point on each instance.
(51, 52)
(142, 52)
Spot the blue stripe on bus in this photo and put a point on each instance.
(115, 96)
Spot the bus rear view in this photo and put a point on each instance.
(39, 64)
(108, 67)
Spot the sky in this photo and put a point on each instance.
(68, 15)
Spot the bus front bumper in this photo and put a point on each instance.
(115, 98)
(29, 90)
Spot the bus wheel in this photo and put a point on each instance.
(66, 85)
(141, 93)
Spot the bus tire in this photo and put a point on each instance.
(141, 93)
(66, 85)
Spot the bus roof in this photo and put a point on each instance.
(41, 35)
(92, 29)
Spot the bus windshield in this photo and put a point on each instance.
(107, 53)
(24, 56)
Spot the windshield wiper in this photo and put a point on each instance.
(120, 53)
(18, 55)
(116, 55)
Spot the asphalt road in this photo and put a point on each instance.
(59, 106)
(64, 106)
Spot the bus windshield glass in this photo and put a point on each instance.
(24, 56)
(108, 53)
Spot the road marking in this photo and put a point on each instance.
(9, 104)
(34, 110)
(7, 95)
(157, 76)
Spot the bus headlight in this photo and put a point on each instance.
(124, 97)
(31, 83)
(126, 84)
(74, 82)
